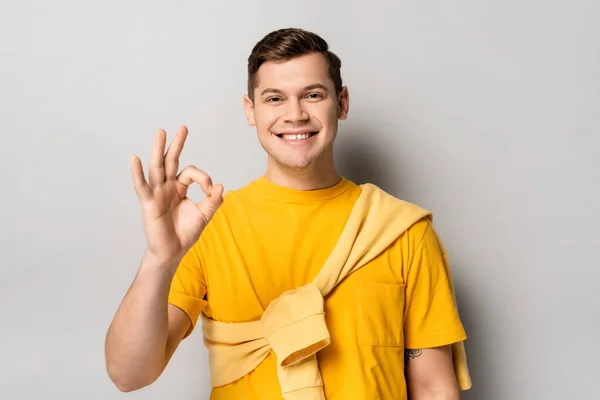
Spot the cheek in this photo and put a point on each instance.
(327, 116)
(266, 118)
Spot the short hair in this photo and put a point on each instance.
(285, 44)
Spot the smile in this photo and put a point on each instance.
(298, 136)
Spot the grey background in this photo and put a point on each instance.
(486, 113)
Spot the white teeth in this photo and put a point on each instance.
(301, 136)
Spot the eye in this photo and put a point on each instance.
(314, 96)
(273, 99)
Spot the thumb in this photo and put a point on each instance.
(212, 202)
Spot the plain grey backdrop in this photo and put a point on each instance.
(486, 113)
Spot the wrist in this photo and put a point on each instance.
(153, 264)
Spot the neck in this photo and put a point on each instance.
(315, 177)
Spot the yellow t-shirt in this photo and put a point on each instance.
(266, 239)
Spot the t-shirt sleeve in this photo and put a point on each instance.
(188, 288)
(430, 317)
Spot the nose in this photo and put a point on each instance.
(296, 112)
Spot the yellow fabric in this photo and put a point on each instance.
(271, 255)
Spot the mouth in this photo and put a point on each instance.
(296, 136)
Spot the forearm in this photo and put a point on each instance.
(137, 337)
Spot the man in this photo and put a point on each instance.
(227, 259)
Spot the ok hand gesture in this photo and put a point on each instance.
(172, 222)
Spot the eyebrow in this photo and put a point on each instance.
(309, 87)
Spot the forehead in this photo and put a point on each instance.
(294, 73)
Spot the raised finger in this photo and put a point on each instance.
(174, 152)
(156, 171)
(139, 181)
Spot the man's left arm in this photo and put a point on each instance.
(430, 374)
(431, 321)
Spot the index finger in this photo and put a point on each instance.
(156, 171)
(174, 152)
(192, 174)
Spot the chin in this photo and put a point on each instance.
(300, 163)
(296, 165)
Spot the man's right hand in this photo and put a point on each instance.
(172, 222)
(146, 329)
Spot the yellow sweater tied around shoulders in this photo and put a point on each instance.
(293, 325)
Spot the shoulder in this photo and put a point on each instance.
(421, 220)
(413, 216)
(382, 198)
(420, 229)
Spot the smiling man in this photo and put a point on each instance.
(295, 102)
(307, 285)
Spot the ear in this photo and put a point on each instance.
(343, 103)
(249, 110)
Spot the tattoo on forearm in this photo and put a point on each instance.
(411, 353)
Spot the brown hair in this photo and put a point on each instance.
(284, 44)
